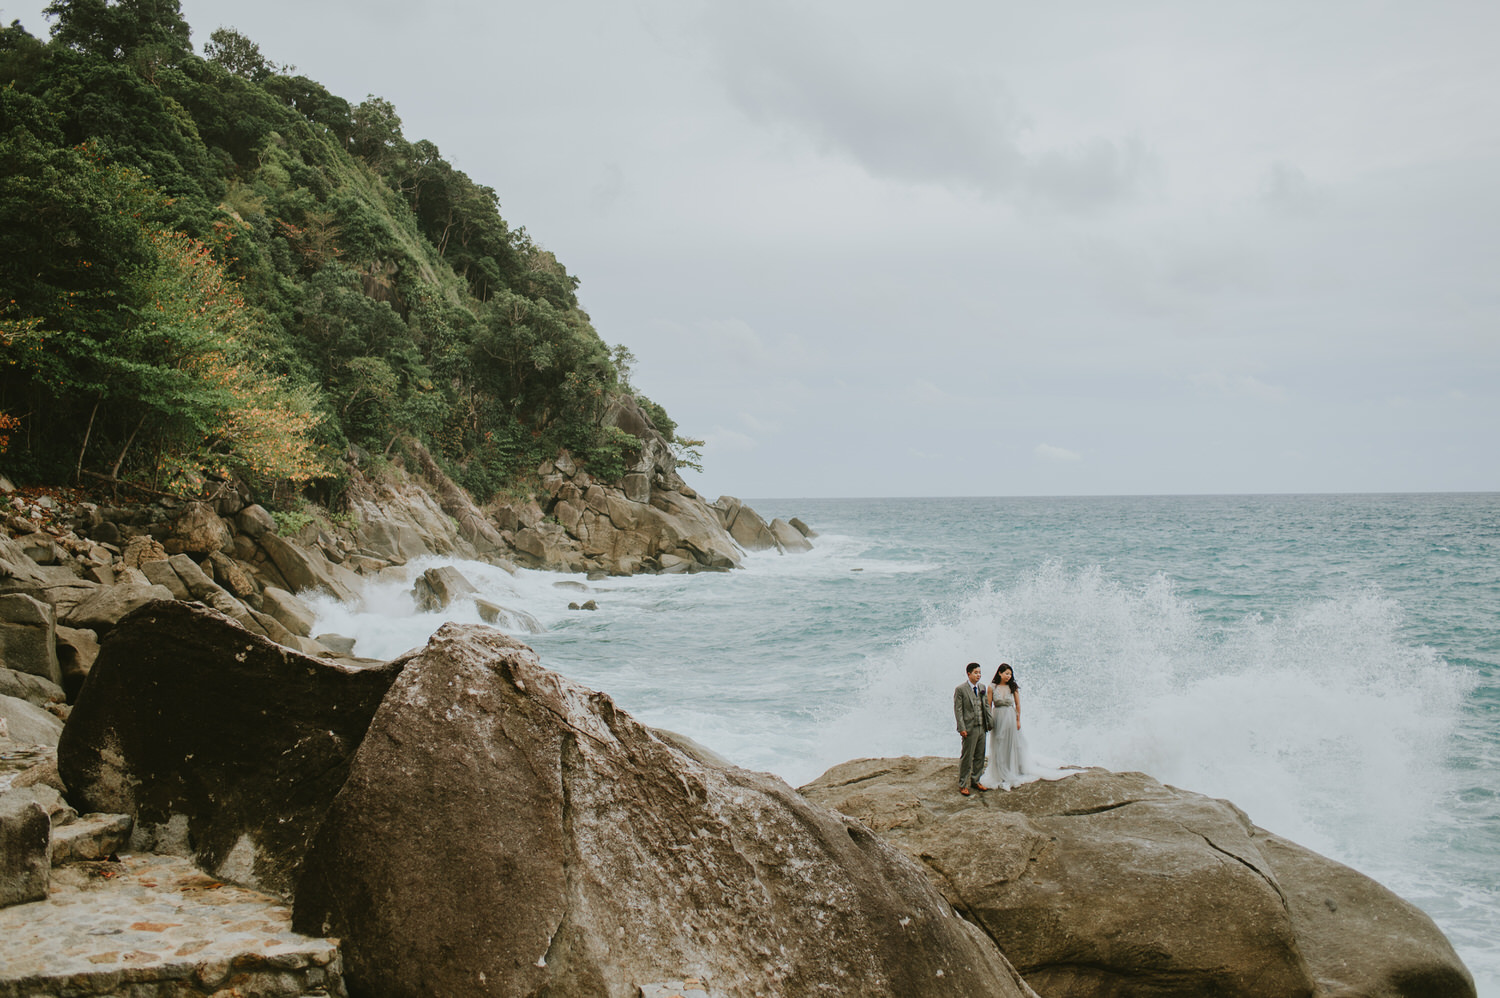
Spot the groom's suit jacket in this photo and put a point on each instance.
(969, 711)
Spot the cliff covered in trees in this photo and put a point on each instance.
(212, 267)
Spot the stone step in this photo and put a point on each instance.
(90, 836)
(688, 987)
(152, 925)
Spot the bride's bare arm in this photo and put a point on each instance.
(1017, 697)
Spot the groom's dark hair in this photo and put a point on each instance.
(971, 667)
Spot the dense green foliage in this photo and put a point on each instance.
(213, 266)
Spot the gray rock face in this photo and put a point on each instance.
(230, 575)
(1107, 884)
(25, 850)
(162, 574)
(33, 689)
(308, 569)
(15, 567)
(339, 644)
(222, 745)
(788, 537)
(254, 521)
(199, 530)
(76, 650)
(28, 637)
(27, 723)
(1358, 937)
(745, 525)
(436, 588)
(293, 614)
(509, 619)
(108, 605)
(506, 832)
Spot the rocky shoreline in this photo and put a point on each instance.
(463, 821)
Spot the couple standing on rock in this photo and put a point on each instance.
(996, 710)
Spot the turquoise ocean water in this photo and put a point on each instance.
(1329, 663)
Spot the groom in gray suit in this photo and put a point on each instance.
(973, 720)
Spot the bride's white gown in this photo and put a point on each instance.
(1010, 761)
(1007, 745)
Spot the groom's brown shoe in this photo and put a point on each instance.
(980, 787)
(964, 791)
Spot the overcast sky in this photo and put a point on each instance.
(990, 248)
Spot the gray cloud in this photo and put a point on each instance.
(1286, 190)
(898, 118)
(903, 116)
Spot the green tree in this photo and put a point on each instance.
(240, 56)
(147, 34)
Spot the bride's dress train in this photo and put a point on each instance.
(1011, 762)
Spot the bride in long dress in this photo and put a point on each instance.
(1009, 761)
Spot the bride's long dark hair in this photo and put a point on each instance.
(1014, 686)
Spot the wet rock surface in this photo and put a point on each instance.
(156, 925)
(1104, 884)
(507, 832)
(221, 744)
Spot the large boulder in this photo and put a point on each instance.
(28, 637)
(506, 617)
(745, 525)
(229, 574)
(547, 545)
(436, 588)
(1358, 937)
(77, 648)
(222, 745)
(788, 537)
(28, 724)
(25, 850)
(307, 569)
(33, 689)
(162, 574)
(695, 527)
(1106, 884)
(199, 530)
(108, 605)
(504, 831)
(15, 567)
(295, 615)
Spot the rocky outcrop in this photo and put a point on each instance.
(473, 525)
(28, 637)
(744, 524)
(25, 850)
(108, 605)
(1105, 884)
(437, 588)
(507, 618)
(25, 722)
(308, 569)
(33, 689)
(506, 832)
(586, 526)
(788, 537)
(222, 745)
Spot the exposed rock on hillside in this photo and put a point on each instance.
(506, 832)
(599, 528)
(1106, 884)
(222, 745)
(651, 521)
